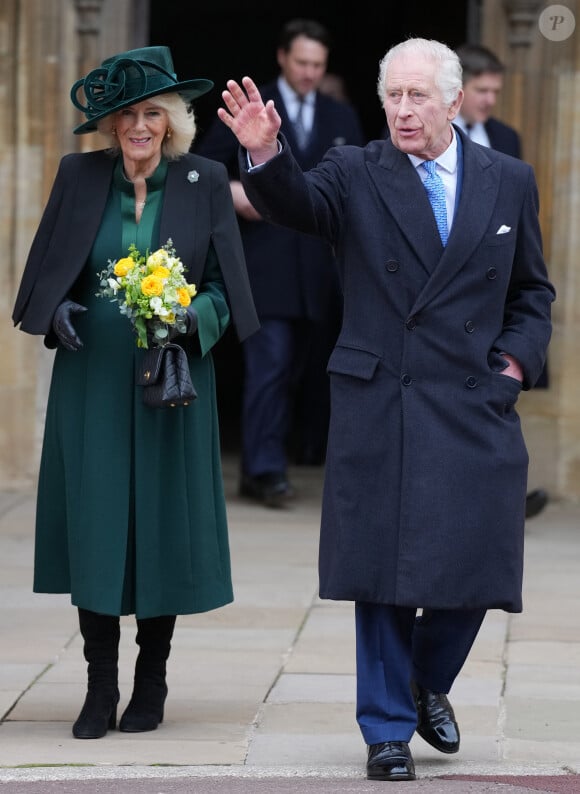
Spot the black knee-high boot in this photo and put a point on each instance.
(101, 649)
(145, 709)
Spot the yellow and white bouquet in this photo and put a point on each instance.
(151, 290)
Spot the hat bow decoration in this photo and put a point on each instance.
(105, 88)
(127, 79)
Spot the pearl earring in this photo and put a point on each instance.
(169, 132)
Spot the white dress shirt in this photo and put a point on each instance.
(476, 132)
(292, 104)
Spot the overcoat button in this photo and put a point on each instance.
(392, 265)
(491, 273)
(406, 379)
(469, 326)
(411, 323)
(471, 382)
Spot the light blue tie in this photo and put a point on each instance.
(436, 192)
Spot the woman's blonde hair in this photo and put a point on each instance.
(181, 123)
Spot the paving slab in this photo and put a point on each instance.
(262, 692)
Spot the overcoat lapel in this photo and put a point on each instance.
(406, 199)
(479, 193)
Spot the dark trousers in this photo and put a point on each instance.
(268, 362)
(286, 390)
(393, 647)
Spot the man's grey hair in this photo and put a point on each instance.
(447, 66)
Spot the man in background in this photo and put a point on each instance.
(293, 278)
(482, 82)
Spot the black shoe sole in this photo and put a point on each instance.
(394, 778)
(438, 747)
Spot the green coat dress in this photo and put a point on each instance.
(131, 514)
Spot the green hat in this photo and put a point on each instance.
(128, 78)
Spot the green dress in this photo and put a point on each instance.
(131, 515)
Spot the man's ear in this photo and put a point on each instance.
(455, 106)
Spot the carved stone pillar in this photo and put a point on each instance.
(88, 29)
(522, 17)
(45, 45)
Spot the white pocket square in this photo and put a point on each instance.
(504, 229)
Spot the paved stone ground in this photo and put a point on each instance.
(505, 784)
(262, 692)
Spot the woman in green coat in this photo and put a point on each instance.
(131, 514)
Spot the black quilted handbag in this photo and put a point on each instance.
(164, 374)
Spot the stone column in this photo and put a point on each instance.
(565, 267)
(542, 89)
(45, 46)
(88, 28)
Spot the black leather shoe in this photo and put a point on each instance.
(272, 489)
(390, 761)
(436, 722)
(536, 500)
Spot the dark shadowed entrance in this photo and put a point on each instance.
(219, 40)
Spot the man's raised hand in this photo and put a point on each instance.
(254, 123)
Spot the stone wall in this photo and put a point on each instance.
(45, 45)
(540, 99)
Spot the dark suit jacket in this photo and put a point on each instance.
(426, 469)
(503, 138)
(291, 274)
(195, 214)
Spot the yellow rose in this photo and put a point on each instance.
(161, 272)
(192, 290)
(151, 285)
(123, 266)
(183, 296)
(157, 259)
(169, 318)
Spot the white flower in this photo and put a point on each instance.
(158, 258)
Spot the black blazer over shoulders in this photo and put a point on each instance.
(196, 214)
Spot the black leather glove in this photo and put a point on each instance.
(63, 327)
(190, 324)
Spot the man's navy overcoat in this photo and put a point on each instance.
(426, 472)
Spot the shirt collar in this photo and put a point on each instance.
(447, 160)
(290, 97)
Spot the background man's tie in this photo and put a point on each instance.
(299, 128)
(436, 193)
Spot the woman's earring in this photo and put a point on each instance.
(169, 132)
(113, 130)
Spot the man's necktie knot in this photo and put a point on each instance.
(436, 193)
